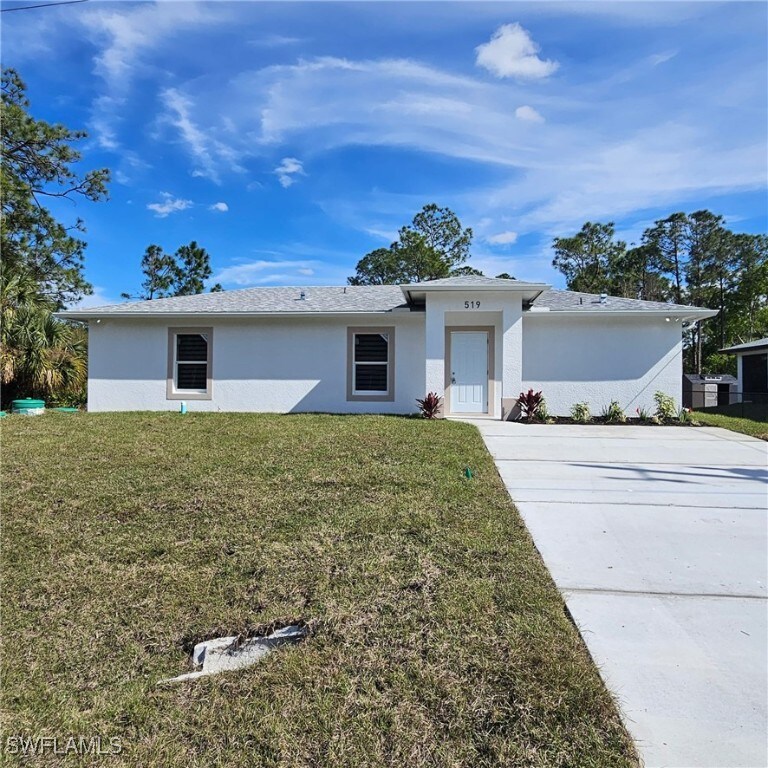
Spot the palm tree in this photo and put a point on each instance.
(40, 356)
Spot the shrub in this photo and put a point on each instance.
(665, 407)
(580, 412)
(542, 412)
(685, 416)
(430, 405)
(530, 404)
(613, 413)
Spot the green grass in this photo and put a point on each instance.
(746, 426)
(440, 638)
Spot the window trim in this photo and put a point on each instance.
(377, 397)
(171, 392)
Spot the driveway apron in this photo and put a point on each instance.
(658, 539)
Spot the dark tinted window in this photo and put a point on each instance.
(191, 361)
(192, 376)
(191, 347)
(371, 348)
(371, 362)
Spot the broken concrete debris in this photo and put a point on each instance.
(224, 654)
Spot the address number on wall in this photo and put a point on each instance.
(471, 305)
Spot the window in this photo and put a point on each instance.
(370, 364)
(189, 363)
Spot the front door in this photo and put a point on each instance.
(469, 372)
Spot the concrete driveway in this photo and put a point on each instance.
(658, 539)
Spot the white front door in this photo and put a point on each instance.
(469, 372)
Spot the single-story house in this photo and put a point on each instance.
(476, 341)
(751, 369)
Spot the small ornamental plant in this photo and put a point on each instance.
(529, 404)
(644, 415)
(580, 413)
(613, 413)
(686, 416)
(666, 410)
(430, 405)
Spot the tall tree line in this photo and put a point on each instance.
(43, 258)
(683, 259)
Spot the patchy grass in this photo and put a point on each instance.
(751, 427)
(440, 638)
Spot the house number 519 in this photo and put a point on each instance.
(471, 305)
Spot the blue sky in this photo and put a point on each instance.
(289, 139)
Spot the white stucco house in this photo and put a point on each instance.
(476, 341)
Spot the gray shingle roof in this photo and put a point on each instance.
(352, 298)
(348, 299)
(556, 300)
(750, 345)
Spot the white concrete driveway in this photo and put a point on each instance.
(658, 539)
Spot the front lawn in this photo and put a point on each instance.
(746, 426)
(440, 638)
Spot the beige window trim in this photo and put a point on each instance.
(491, 331)
(389, 396)
(171, 393)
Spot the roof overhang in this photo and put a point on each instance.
(744, 349)
(84, 315)
(417, 292)
(676, 314)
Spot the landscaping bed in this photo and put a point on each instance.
(438, 637)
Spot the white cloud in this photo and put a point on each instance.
(502, 238)
(124, 33)
(265, 271)
(528, 114)
(169, 204)
(556, 177)
(289, 168)
(220, 207)
(99, 298)
(209, 153)
(512, 53)
(274, 41)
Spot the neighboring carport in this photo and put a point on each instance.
(657, 537)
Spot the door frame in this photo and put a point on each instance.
(490, 391)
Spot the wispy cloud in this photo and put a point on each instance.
(502, 238)
(275, 41)
(528, 114)
(265, 271)
(100, 297)
(511, 52)
(219, 207)
(124, 34)
(288, 169)
(169, 204)
(208, 153)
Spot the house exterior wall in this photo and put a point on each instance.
(270, 365)
(740, 368)
(502, 311)
(598, 359)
